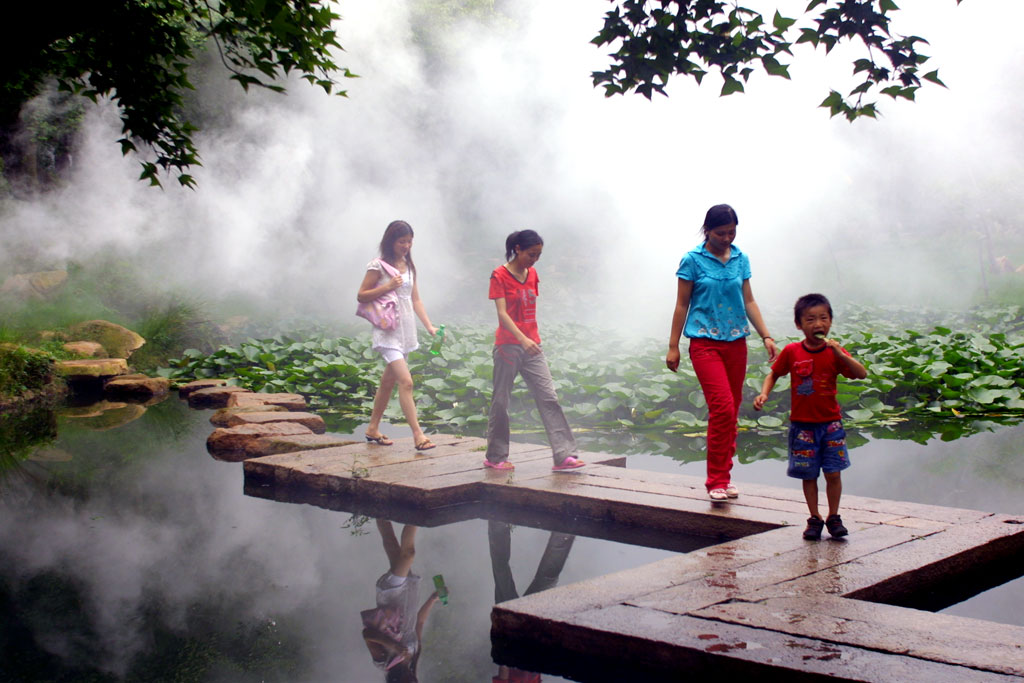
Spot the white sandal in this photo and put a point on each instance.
(718, 495)
(732, 491)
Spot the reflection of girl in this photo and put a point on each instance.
(514, 289)
(714, 300)
(392, 631)
(394, 345)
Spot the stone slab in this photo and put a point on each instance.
(235, 443)
(287, 401)
(669, 647)
(311, 421)
(212, 397)
(272, 445)
(973, 643)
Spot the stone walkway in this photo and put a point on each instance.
(762, 601)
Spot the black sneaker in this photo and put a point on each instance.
(835, 526)
(813, 530)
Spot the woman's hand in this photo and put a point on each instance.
(672, 359)
(395, 283)
(773, 350)
(530, 346)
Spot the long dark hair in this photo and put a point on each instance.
(524, 239)
(395, 231)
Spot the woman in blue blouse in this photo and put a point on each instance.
(714, 301)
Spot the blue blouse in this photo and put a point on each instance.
(716, 308)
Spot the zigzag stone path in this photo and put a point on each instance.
(762, 601)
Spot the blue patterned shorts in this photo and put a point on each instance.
(816, 447)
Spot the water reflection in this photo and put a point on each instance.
(393, 630)
(135, 556)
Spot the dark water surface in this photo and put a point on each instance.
(131, 554)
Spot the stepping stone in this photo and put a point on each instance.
(137, 386)
(186, 389)
(294, 402)
(221, 417)
(272, 445)
(213, 397)
(311, 421)
(238, 443)
(97, 368)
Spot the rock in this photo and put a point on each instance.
(38, 285)
(213, 397)
(117, 340)
(272, 445)
(137, 386)
(185, 389)
(254, 400)
(92, 367)
(311, 421)
(86, 349)
(238, 443)
(221, 417)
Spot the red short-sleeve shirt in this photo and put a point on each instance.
(520, 302)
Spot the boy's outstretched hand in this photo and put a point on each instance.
(760, 400)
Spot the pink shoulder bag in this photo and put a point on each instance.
(382, 312)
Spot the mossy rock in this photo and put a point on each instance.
(117, 340)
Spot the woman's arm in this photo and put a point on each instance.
(506, 321)
(369, 289)
(683, 292)
(420, 309)
(754, 315)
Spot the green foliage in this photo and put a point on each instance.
(138, 53)
(654, 40)
(608, 384)
(111, 289)
(23, 369)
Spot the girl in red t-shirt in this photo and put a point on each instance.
(514, 289)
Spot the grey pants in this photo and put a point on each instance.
(499, 536)
(511, 360)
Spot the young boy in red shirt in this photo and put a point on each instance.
(817, 441)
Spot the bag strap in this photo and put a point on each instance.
(388, 268)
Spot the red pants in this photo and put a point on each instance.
(721, 368)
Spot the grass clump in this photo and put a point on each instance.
(23, 369)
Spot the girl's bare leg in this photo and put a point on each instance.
(381, 399)
(403, 378)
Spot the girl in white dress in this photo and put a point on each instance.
(395, 344)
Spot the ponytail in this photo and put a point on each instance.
(524, 239)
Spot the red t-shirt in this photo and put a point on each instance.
(813, 382)
(520, 302)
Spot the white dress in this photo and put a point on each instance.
(403, 338)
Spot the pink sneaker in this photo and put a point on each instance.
(503, 465)
(570, 463)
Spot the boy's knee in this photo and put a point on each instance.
(833, 476)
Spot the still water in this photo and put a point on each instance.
(131, 554)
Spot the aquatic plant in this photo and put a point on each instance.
(962, 380)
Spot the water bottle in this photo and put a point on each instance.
(435, 348)
(442, 590)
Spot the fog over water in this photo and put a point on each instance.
(498, 127)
